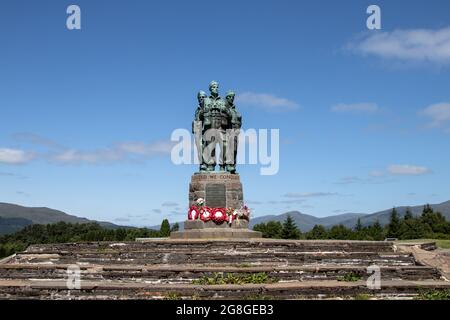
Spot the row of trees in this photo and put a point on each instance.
(67, 232)
(429, 224)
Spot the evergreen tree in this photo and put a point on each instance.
(375, 231)
(271, 229)
(290, 230)
(165, 228)
(120, 234)
(274, 229)
(394, 225)
(340, 232)
(435, 220)
(408, 215)
(318, 232)
(358, 226)
(175, 227)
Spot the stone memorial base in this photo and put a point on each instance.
(197, 229)
(219, 190)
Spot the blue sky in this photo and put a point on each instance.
(364, 115)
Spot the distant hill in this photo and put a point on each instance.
(383, 216)
(11, 225)
(14, 217)
(306, 222)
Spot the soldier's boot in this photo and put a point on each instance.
(231, 169)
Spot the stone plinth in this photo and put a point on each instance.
(226, 188)
(197, 229)
(220, 190)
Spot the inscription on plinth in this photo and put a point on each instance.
(205, 185)
(216, 196)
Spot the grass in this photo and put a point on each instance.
(231, 278)
(442, 244)
(350, 277)
(172, 296)
(434, 295)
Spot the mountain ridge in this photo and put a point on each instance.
(14, 217)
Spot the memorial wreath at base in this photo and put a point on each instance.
(218, 215)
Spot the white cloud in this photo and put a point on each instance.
(412, 45)
(266, 101)
(169, 204)
(91, 157)
(140, 148)
(376, 174)
(309, 194)
(116, 153)
(15, 156)
(406, 169)
(439, 115)
(364, 107)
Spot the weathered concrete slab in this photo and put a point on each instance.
(216, 233)
(157, 268)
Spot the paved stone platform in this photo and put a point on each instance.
(168, 268)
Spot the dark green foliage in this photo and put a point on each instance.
(318, 232)
(231, 278)
(175, 227)
(290, 230)
(165, 228)
(393, 230)
(434, 294)
(358, 227)
(271, 229)
(408, 215)
(62, 232)
(350, 277)
(430, 224)
(340, 232)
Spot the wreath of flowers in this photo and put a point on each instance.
(218, 215)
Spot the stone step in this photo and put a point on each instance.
(169, 245)
(57, 289)
(214, 257)
(188, 273)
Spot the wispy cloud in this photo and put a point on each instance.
(15, 156)
(169, 204)
(57, 153)
(439, 115)
(116, 153)
(349, 180)
(411, 45)
(309, 194)
(266, 101)
(365, 107)
(92, 157)
(13, 175)
(156, 210)
(37, 139)
(407, 170)
(252, 202)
